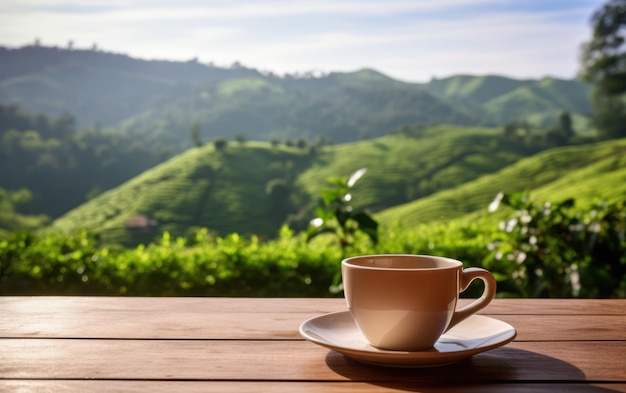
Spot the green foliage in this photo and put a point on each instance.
(604, 66)
(220, 144)
(195, 134)
(11, 219)
(248, 191)
(203, 265)
(555, 250)
(588, 244)
(609, 116)
(60, 165)
(604, 56)
(337, 215)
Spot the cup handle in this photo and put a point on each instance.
(467, 276)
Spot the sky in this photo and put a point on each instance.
(412, 41)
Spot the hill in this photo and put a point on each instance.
(158, 102)
(253, 188)
(583, 172)
(240, 189)
(497, 99)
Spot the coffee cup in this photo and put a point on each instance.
(406, 302)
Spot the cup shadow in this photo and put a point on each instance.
(503, 367)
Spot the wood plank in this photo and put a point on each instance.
(297, 361)
(189, 324)
(155, 305)
(56, 386)
(84, 305)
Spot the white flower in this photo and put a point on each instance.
(356, 176)
(526, 218)
(510, 225)
(316, 222)
(493, 206)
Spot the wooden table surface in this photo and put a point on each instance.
(112, 344)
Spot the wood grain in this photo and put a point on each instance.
(28, 386)
(52, 304)
(102, 344)
(227, 318)
(294, 361)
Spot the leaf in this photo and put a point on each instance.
(330, 196)
(566, 203)
(342, 216)
(367, 224)
(313, 232)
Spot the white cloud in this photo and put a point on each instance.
(410, 40)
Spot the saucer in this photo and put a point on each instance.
(476, 334)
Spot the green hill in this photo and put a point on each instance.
(498, 100)
(583, 172)
(240, 189)
(254, 188)
(477, 89)
(403, 167)
(157, 102)
(420, 175)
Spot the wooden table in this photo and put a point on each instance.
(109, 344)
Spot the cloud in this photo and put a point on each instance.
(410, 40)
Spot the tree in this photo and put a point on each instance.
(565, 125)
(220, 144)
(604, 65)
(241, 139)
(562, 132)
(510, 130)
(195, 134)
(609, 117)
(301, 143)
(604, 57)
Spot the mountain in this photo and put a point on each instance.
(159, 102)
(497, 99)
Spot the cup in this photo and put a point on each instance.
(406, 302)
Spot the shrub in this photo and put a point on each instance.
(554, 250)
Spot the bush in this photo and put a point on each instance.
(555, 250)
(541, 250)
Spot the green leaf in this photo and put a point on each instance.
(330, 196)
(367, 224)
(313, 232)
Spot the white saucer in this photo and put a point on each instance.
(476, 334)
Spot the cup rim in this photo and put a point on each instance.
(453, 263)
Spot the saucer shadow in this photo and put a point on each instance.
(502, 367)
